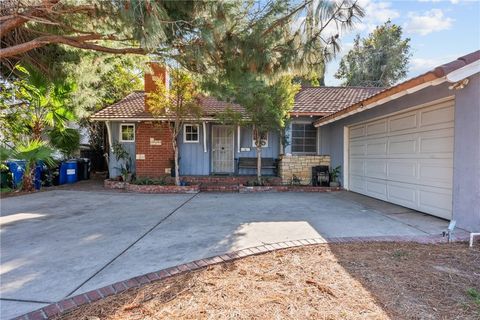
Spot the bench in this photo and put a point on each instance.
(251, 163)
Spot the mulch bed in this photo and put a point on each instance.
(337, 281)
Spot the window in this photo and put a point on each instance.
(304, 138)
(190, 133)
(127, 132)
(264, 140)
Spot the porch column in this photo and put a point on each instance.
(238, 139)
(109, 134)
(204, 126)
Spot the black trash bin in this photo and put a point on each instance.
(84, 165)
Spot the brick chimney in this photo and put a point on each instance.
(157, 72)
(153, 147)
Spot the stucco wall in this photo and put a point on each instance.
(466, 182)
(466, 159)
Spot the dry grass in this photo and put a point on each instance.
(341, 281)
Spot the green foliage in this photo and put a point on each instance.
(177, 103)
(66, 140)
(267, 39)
(32, 151)
(335, 173)
(162, 181)
(41, 105)
(123, 157)
(119, 151)
(379, 60)
(475, 295)
(267, 106)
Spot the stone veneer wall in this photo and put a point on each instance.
(300, 166)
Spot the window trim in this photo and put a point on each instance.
(120, 132)
(185, 133)
(316, 139)
(264, 146)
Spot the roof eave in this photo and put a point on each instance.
(429, 79)
(453, 71)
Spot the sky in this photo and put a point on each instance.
(440, 31)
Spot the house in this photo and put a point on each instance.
(416, 144)
(207, 147)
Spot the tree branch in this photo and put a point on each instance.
(78, 42)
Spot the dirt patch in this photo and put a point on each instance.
(338, 281)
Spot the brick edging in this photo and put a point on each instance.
(67, 304)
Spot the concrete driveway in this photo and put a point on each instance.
(59, 243)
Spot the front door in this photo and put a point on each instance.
(222, 149)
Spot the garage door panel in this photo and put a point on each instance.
(403, 122)
(402, 194)
(436, 172)
(376, 188)
(376, 168)
(357, 183)
(437, 201)
(357, 167)
(377, 148)
(406, 144)
(375, 128)
(402, 170)
(358, 149)
(433, 116)
(437, 142)
(410, 163)
(357, 131)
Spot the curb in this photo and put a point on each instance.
(67, 304)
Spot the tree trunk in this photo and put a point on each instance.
(259, 165)
(175, 149)
(27, 183)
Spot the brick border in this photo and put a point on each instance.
(67, 304)
(202, 187)
(112, 184)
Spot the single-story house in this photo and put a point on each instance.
(207, 147)
(416, 144)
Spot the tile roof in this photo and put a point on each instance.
(309, 101)
(133, 107)
(325, 100)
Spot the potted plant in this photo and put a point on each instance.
(334, 173)
(123, 158)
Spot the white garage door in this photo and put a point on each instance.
(406, 158)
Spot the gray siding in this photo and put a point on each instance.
(272, 150)
(193, 159)
(466, 182)
(113, 165)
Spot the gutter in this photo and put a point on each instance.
(405, 88)
(147, 119)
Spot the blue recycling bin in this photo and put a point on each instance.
(17, 168)
(68, 172)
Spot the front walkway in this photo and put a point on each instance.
(59, 243)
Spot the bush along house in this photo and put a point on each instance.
(416, 144)
(207, 147)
